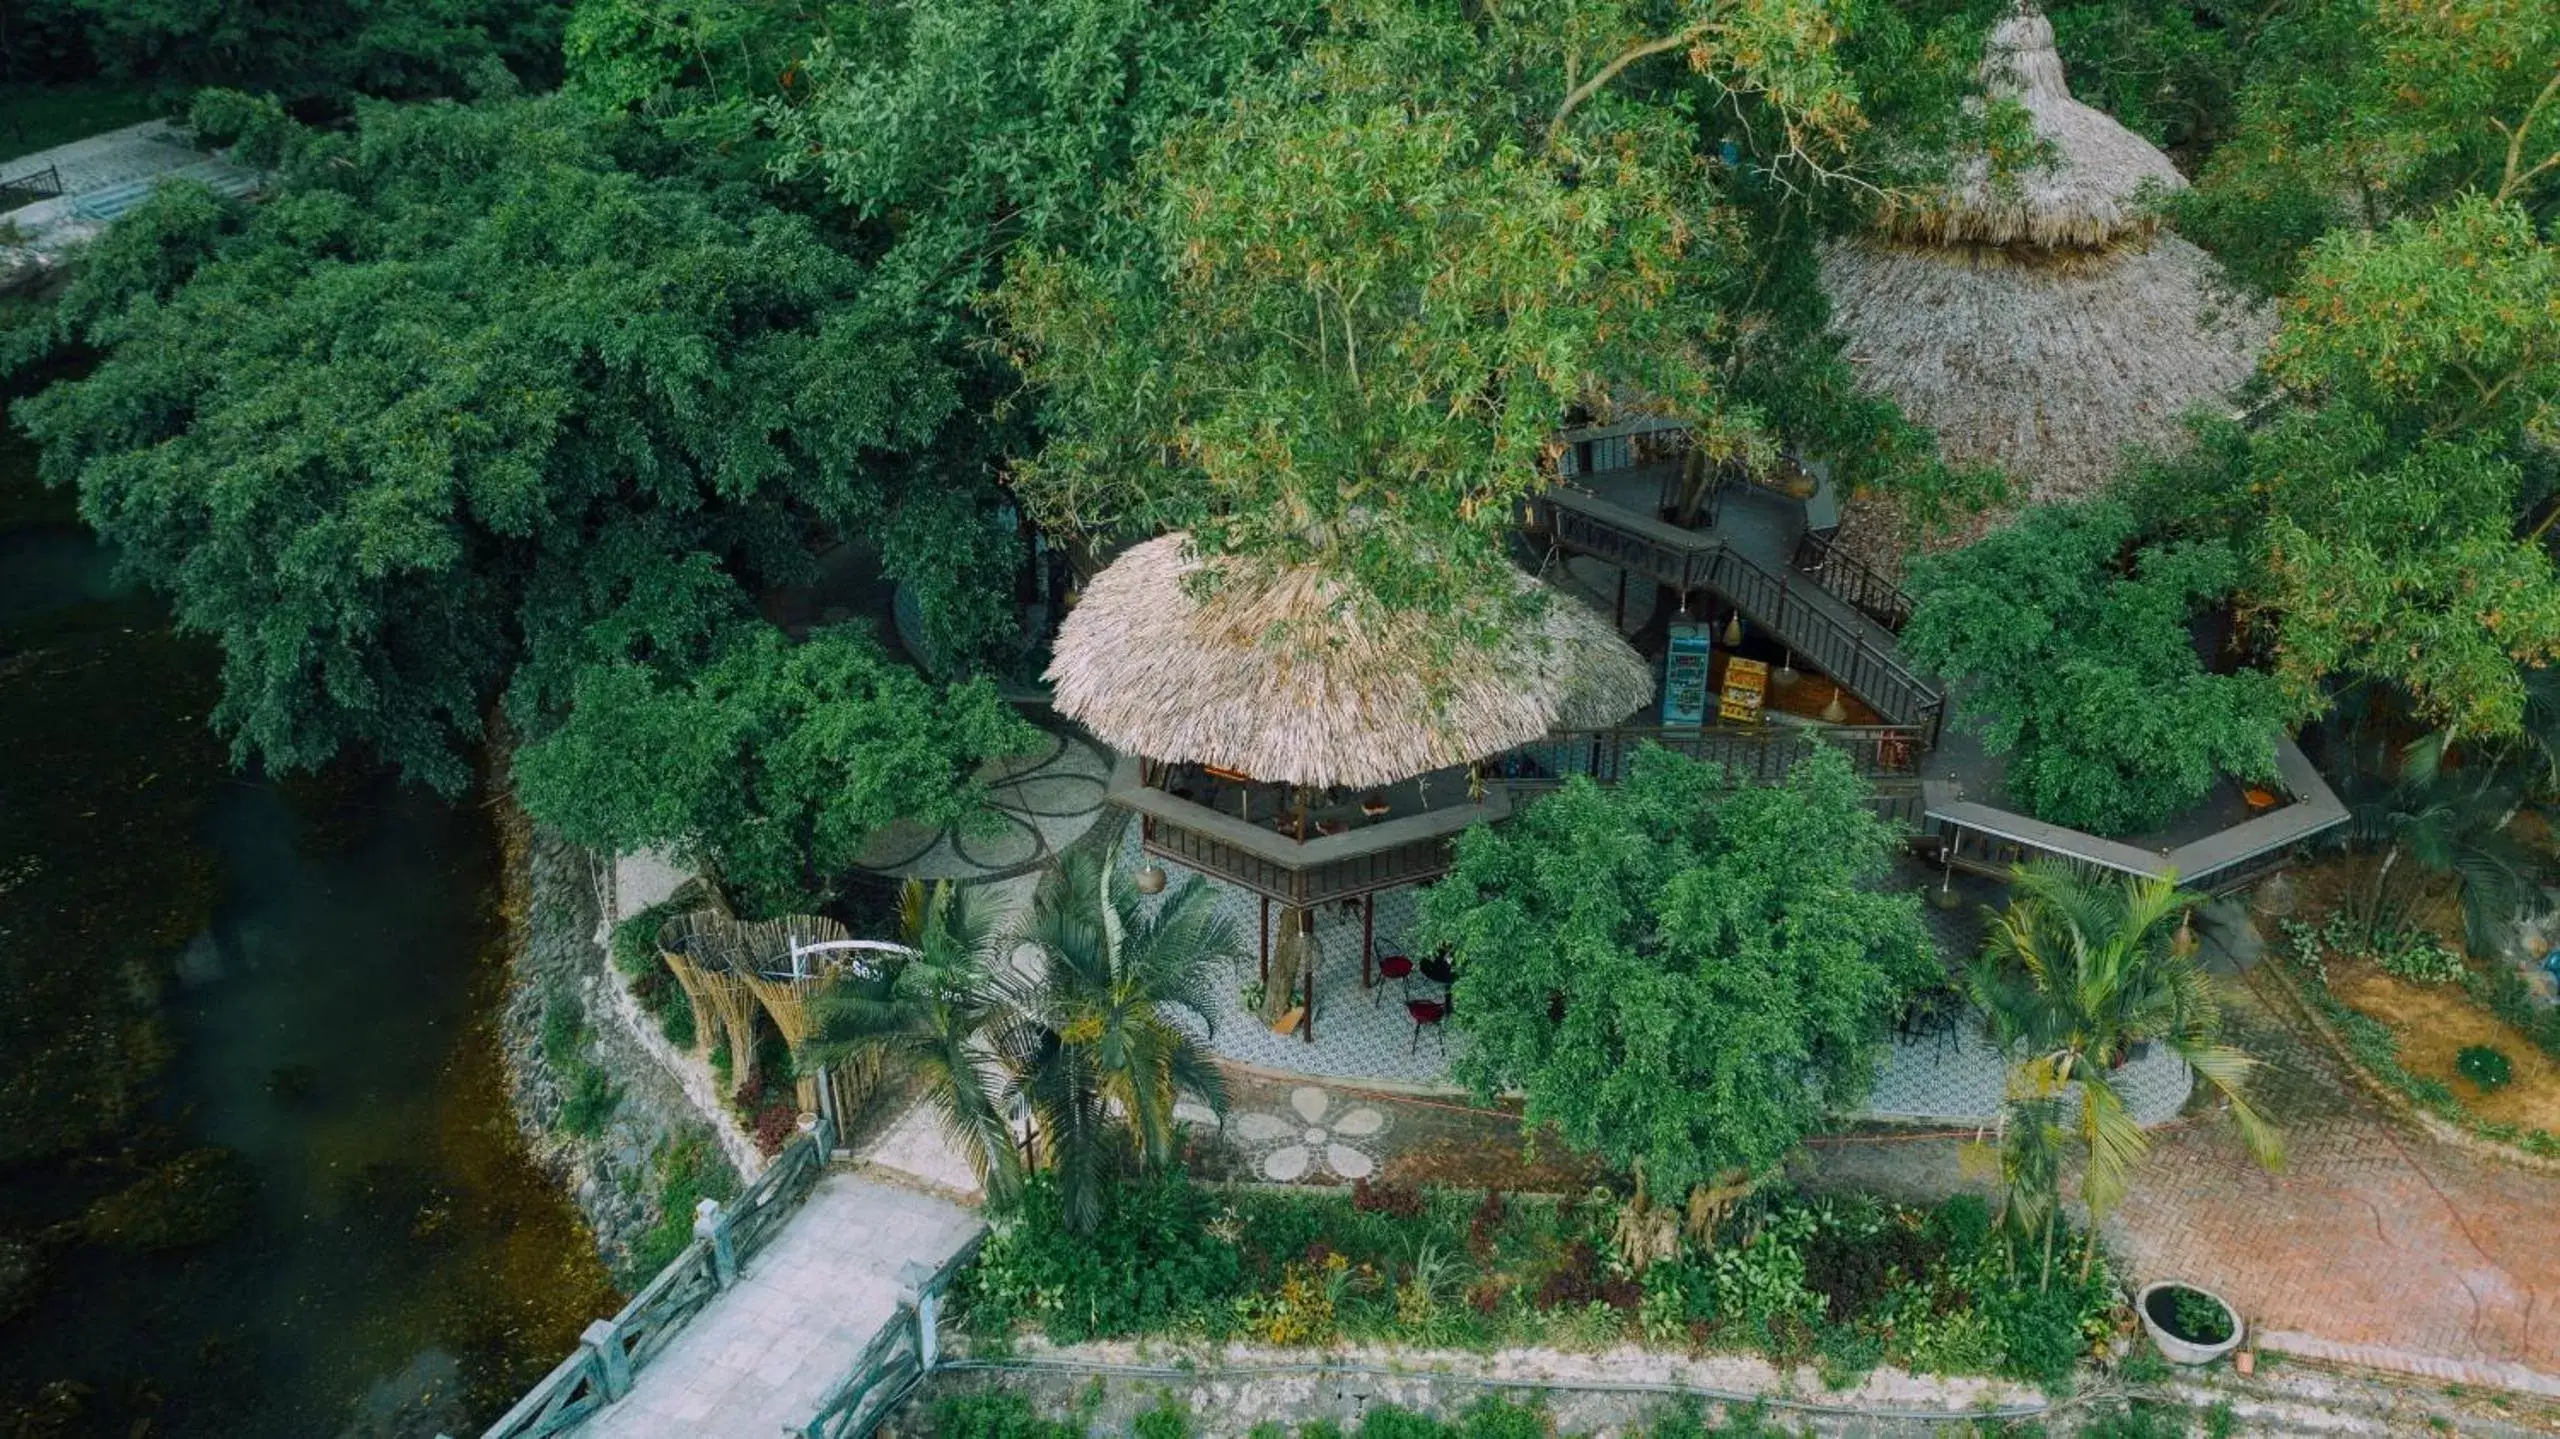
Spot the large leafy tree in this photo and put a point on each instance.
(778, 758)
(313, 53)
(2359, 112)
(2069, 643)
(480, 395)
(2394, 504)
(1683, 977)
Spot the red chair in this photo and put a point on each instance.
(1430, 1012)
(1398, 968)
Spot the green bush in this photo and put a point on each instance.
(690, 1170)
(2484, 1066)
(996, 1416)
(590, 1103)
(635, 953)
(1848, 1283)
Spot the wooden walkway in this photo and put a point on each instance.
(763, 1357)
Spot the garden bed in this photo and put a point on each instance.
(1844, 1284)
(2421, 1040)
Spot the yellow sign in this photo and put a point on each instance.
(1746, 684)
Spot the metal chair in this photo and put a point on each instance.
(1426, 1012)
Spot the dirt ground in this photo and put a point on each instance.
(2434, 1022)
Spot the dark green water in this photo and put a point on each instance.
(257, 1173)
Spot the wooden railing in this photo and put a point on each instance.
(896, 1360)
(1792, 607)
(613, 1350)
(1886, 756)
(1424, 859)
(1854, 580)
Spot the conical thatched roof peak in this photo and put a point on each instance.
(2094, 193)
(1289, 675)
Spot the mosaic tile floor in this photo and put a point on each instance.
(1360, 1034)
(1039, 803)
(1954, 1078)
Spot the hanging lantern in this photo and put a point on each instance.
(1151, 879)
(1733, 629)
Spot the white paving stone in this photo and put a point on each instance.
(761, 1358)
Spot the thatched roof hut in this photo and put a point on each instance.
(1290, 676)
(2044, 322)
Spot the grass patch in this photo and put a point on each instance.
(1847, 1283)
(1000, 1415)
(39, 117)
(690, 1170)
(588, 1095)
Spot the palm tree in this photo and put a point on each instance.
(1119, 1019)
(941, 1013)
(2077, 970)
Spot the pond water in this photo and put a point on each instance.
(303, 975)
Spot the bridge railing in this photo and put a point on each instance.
(614, 1350)
(896, 1360)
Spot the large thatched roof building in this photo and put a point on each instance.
(1287, 676)
(2044, 322)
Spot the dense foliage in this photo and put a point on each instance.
(1682, 976)
(788, 756)
(317, 54)
(1847, 1282)
(1003, 1414)
(2069, 643)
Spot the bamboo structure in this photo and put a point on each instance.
(732, 971)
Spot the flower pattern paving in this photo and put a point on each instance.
(1322, 1136)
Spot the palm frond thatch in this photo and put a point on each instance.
(1288, 676)
(2097, 190)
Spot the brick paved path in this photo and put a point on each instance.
(763, 1356)
(2377, 1245)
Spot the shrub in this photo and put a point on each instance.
(1397, 1201)
(2484, 1066)
(1155, 1261)
(1168, 1420)
(690, 1170)
(2191, 1315)
(591, 1100)
(996, 1416)
(776, 1124)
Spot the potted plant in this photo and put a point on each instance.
(2191, 1325)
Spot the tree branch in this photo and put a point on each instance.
(1606, 73)
(2515, 181)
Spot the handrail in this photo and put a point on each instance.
(896, 1360)
(1756, 753)
(612, 1351)
(1854, 580)
(1688, 561)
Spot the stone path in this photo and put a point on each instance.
(763, 1356)
(2376, 1246)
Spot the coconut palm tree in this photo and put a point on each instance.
(2077, 970)
(941, 1012)
(1119, 1018)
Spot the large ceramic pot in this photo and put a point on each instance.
(2157, 1304)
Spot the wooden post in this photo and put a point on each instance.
(1622, 599)
(1307, 930)
(1368, 932)
(1265, 932)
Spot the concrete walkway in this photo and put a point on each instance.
(762, 1357)
(103, 177)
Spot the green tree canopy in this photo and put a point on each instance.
(2359, 112)
(300, 51)
(480, 395)
(2394, 505)
(1684, 977)
(778, 758)
(2068, 642)
(1356, 303)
